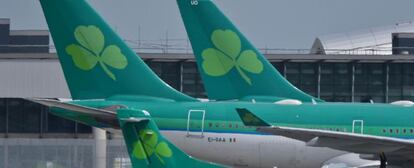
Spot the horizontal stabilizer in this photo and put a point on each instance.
(87, 115)
(134, 120)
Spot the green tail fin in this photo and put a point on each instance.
(96, 62)
(147, 147)
(230, 66)
(250, 119)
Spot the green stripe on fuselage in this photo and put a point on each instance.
(378, 119)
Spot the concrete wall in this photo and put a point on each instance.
(32, 78)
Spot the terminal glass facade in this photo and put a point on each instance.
(37, 121)
(335, 82)
(330, 81)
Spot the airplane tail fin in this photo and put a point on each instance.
(231, 67)
(146, 145)
(250, 119)
(96, 62)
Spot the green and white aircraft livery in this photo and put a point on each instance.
(113, 88)
(148, 148)
(225, 57)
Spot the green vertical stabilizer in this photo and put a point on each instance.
(148, 148)
(231, 67)
(96, 62)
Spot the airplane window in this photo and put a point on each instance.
(404, 131)
(210, 125)
(384, 131)
(396, 131)
(411, 130)
(390, 130)
(230, 125)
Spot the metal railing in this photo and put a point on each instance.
(57, 153)
(174, 49)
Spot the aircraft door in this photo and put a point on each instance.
(195, 123)
(358, 126)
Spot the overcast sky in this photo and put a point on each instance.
(267, 23)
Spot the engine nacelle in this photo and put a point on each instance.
(289, 102)
(405, 103)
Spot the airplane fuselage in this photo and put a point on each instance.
(213, 131)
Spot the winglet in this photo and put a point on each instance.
(250, 119)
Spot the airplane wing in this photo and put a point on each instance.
(368, 146)
(350, 142)
(102, 118)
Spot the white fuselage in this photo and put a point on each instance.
(254, 150)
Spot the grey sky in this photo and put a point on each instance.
(271, 23)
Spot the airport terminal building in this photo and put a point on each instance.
(360, 72)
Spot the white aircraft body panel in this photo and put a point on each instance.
(256, 151)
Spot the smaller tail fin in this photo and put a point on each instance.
(251, 120)
(148, 148)
(96, 62)
(231, 67)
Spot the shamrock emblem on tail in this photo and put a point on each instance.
(152, 146)
(227, 55)
(90, 51)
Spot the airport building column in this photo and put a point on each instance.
(387, 82)
(284, 69)
(318, 87)
(100, 147)
(181, 69)
(353, 82)
(6, 153)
